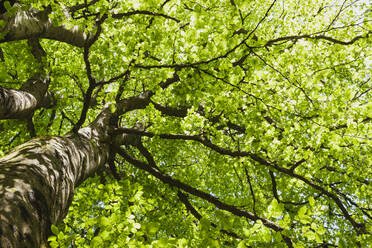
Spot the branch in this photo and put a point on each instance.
(359, 227)
(182, 112)
(275, 192)
(365, 120)
(251, 189)
(36, 49)
(169, 81)
(31, 127)
(64, 116)
(316, 37)
(348, 199)
(77, 7)
(143, 12)
(176, 112)
(184, 137)
(262, 19)
(36, 24)
(255, 157)
(92, 80)
(150, 159)
(191, 190)
(88, 93)
(135, 102)
(183, 198)
(21, 104)
(111, 164)
(180, 66)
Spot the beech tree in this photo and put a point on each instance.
(169, 123)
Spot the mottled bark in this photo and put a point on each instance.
(38, 178)
(21, 104)
(36, 24)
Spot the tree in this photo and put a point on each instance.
(169, 123)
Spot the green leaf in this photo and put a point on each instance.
(7, 5)
(54, 229)
(52, 238)
(275, 209)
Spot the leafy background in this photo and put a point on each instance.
(301, 101)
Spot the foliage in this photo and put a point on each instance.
(272, 103)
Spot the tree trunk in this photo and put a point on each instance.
(38, 178)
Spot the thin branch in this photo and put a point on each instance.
(76, 80)
(31, 127)
(298, 86)
(275, 192)
(359, 94)
(201, 194)
(180, 66)
(13, 138)
(358, 226)
(262, 19)
(113, 169)
(316, 37)
(183, 198)
(92, 80)
(251, 188)
(337, 15)
(64, 116)
(81, 6)
(88, 93)
(237, 174)
(143, 12)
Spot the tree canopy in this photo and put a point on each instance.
(204, 123)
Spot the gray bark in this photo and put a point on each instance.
(36, 24)
(38, 178)
(21, 104)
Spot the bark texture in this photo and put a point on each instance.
(21, 104)
(38, 178)
(32, 23)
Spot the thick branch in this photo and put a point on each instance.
(21, 104)
(135, 102)
(36, 24)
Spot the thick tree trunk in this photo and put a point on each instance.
(38, 178)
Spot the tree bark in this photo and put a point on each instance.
(36, 24)
(38, 178)
(21, 104)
